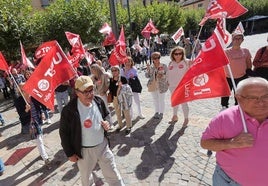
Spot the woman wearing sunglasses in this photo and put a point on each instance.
(176, 70)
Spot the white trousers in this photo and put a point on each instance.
(184, 106)
(41, 147)
(159, 101)
(136, 100)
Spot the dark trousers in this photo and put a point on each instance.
(225, 100)
(262, 72)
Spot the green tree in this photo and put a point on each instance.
(14, 27)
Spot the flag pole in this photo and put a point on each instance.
(192, 56)
(240, 110)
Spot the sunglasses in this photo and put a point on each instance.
(156, 58)
(178, 53)
(86, 92)
(114, 70)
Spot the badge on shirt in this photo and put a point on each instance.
(180, 66)
(87, 123)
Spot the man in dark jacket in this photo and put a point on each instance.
(82, 126)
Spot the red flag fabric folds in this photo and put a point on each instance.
(148, 29)
(43, 49)
(209, 58)
(75, 42)
(119, 55)
(3, 63)
(53, 70)
(207, 85)
(223, 9)
(109, 35)
(224, 36)
(25, 61)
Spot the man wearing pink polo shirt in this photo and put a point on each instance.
(242, 158)
(240, 64)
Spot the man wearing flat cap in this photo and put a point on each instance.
(83, 124)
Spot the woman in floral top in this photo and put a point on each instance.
(157, 84)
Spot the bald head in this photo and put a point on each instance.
(251, 82)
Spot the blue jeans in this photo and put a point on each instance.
(2, 166)
(1, 119)
(220, 178)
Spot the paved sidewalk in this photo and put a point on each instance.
(155, 153)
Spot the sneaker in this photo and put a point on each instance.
(128, 131)
(156, 116)
(48, 163)
(160, 116)
(48, 121)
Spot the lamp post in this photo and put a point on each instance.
(113, 18)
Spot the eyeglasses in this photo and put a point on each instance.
(263, 98)
(179, 53)
(86, 92)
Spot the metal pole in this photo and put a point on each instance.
(129, 20)
(113, 18)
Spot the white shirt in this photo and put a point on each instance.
(92, 131)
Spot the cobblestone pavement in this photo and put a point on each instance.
(155, 153)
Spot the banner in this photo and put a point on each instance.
(3, 63)
(207, 85)
(148, 29)
(25, 61)
(223, 9)
(119, 55)
(53, 70)
(224, 36)
(43, 49)
(109, 35)
(177, 36)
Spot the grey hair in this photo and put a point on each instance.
(250, 81)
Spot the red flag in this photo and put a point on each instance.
(223, 9)
(3, 63)
(105, 29)
(207, 85)
(25, 61)
(177, 36)
(209, 58)
(43, 49)
(224, 36)
(137, 44)
(75, 42)
(148, 29)
(53, 70)
(119, 55)
(110, 37)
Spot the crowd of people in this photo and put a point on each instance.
(86, 110)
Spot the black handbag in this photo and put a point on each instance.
(135, 84)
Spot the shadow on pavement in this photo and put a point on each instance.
(158, 154)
